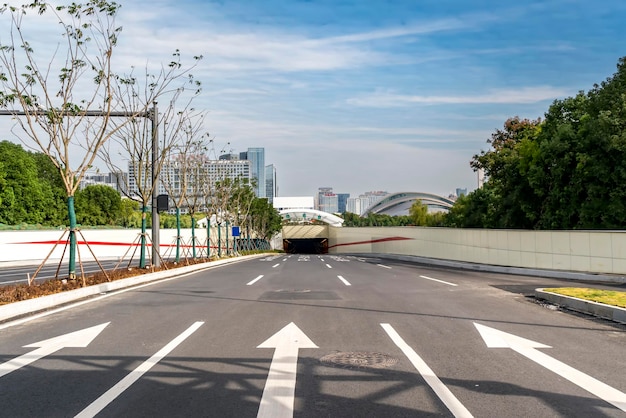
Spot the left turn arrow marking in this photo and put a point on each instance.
(80, 338)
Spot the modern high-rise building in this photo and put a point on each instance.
(320, 192)
(328, 202)
(271, 187)
(256, 156)
(342, 201)
(171, 181)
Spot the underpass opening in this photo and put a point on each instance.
(306, 245)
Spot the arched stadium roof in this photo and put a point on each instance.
(396, 204)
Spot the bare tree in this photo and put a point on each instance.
(62, 97)
(186, 175)
(131, 147)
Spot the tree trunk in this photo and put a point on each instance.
(72, 217)
(208, 236)
(142, 260)
(193, 237)
(177, 235)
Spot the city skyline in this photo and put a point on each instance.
(372, 95)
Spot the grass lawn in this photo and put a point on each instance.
(609, 297)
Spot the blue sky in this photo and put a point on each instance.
(376, 94)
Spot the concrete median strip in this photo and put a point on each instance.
(25, 307)
(601, 310)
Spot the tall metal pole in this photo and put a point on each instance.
(155, 186)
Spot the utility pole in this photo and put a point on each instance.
(155, 187)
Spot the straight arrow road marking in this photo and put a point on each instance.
(80, 338)
(441, 390)
(498, 339)
(255, 280)
(347, 283)
(108, 397)
(279, 393)
(439, 281)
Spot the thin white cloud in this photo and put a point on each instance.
(522, 95)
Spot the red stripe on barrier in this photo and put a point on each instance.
(374, 241)
(92, 243)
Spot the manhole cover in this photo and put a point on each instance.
(359, 359)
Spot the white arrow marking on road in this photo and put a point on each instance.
(528, 348)
(80, 338)
(279, 393)
(99, 404)
(441, 390)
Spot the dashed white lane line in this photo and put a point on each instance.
(329, 266)
(384, 266)
(347, 283)
(255, 280)
(441, 390)
(440, 281)
(276, 265)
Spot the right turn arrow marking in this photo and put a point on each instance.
(498, 339)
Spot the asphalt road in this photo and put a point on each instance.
(351, 337)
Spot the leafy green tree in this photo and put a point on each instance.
(98, 205)
(56, 209)
(24, 197)
(264, 218)
(419, 213)
(507, 166)
(128, 208)
(581, 171)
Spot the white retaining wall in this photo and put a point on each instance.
(24, 246)
(579, 251)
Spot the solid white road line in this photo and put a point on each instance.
(382, 265)
(437, 280)
(347, 283)
(255, 280)
(110, 395)
(329, 266)
(442, 391)
(275, 265)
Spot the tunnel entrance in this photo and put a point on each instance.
(306, 246)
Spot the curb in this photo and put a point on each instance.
(30, 306)
(521, 271)
(612, 313)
